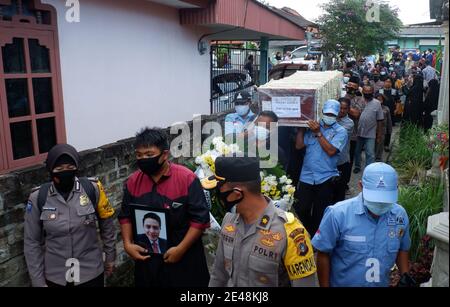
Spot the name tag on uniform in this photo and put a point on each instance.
(48, 209)
(391, 221)
(355, 238)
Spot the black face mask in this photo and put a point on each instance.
(150, 166)
(228, 205)
(66, 181)
(351, 91)
(368, 96)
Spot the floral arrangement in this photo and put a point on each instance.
(438, 142)
(274, 182)
(277, 189)
(218, 149)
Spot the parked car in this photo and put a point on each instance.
(284, 70)
(304, 55)
(226, 82)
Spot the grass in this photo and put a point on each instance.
(411, 156)
(420, 201)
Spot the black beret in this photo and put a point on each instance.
(231, 169)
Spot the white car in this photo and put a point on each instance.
(298, 57)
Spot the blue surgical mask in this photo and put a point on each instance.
(329, 120)
(346, 79)
(378, 208)
(242, 110)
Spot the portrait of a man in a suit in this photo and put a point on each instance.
(150, 239)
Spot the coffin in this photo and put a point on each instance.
(299, 97)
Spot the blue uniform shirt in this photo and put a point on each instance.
(362, 249)
(318, 166)
(235, 124)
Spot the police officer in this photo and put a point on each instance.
(360, 239)
(61, 226)
(260, 245)
(324, 143)
(235, 123)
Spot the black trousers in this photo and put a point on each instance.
(341, 185)
(191, 271)
(387, 140)
(312, 202)
(352, 152)
(97, 282)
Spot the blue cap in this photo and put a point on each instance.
(331, 106)
(380, 183)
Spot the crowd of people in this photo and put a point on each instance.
(332, 240)
(408, 83)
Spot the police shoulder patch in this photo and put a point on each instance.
(104, 207)
(29, 206)
(299, 256)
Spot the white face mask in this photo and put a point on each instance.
(261, 133)
(329, 120)
(242, 110)
(346, 79)
(378, 208)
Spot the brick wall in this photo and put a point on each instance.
(112, 163)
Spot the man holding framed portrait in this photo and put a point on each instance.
(170, 253)
(153, 233)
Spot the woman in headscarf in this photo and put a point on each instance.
(431, 103)
(414, 101)
(60, 242)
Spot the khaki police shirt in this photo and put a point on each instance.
(276, 251)
(65, 232)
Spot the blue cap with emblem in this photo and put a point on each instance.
(380, 183)
(331, 106)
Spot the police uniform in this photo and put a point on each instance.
(65, 230)
(234, 123)
(363, 249)
(275, 251)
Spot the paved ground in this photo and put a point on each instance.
(354, 180)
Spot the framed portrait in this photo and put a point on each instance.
(150, 228)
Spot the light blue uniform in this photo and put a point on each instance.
(235, 124)
(362, 249)
(318, 166)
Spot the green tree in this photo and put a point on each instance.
(345, 27)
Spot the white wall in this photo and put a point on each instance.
(125, 65)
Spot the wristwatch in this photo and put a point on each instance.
(318, 135)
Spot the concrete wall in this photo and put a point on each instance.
(125, 65)
(112, 163)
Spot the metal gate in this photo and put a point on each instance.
(232, 70)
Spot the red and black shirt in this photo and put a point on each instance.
(179, 191)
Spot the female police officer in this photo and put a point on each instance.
(61, 243)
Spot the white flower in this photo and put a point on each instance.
(289, 181)
(265, 188)
(217, 140)
(198, 160)
(283, 179)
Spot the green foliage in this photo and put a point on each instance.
(412, 156)
(420, 202)
(345, 27)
